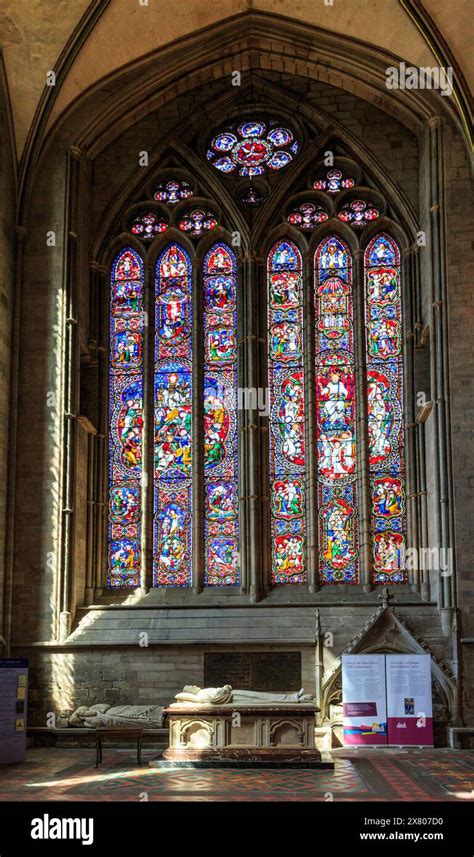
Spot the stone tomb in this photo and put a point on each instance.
(242, 734)
(237, 731)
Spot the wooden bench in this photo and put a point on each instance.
(117, 734)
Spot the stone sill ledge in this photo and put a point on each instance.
(194, 709)
(369, 601)
(110, 644)
(71, 731)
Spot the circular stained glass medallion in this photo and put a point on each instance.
(252, 148)
(358, 213)
(333, 182)
(307, 216)
(224, 142)
(251, 129)
(196, 222)
(280, 137)
(252, 153)
(147, 225)
(173, 191)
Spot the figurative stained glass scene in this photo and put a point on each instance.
(252, 148)
(287, 425)
(384, 402)
(172, 419)
(335, 413)
(221, 465)
(171, 441)
(125, 419)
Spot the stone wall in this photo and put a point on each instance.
(147, 655)
(460, 315)
(7, 303)
(104, 661)
(40, 420)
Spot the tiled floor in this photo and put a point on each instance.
(369, 775)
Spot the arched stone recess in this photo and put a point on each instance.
(287, 733)
(385, 632)
(195, 734)
(255, 41)
(80, 179)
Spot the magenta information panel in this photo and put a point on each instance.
(409, 700)
(13, 701)
(387, 699)
(364, 699)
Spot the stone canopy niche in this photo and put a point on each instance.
(267, 671)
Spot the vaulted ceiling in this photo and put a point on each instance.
(36, 37)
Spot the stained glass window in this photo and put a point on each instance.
(287, 425)
(307, 215)
(146, 226)
(173, 191)
(196, 223)
(252, 148)
(333, 182)
(221, 466)
(166, 384)
(335, 413)
(125, 419)
(358, 213)
(385, 398)
(252, 196)
(172, 419)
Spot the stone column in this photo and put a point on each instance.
(362, 434)
(423, 507)
(311, 446)
(9, 582)
(242, 299)
(440, 357)
(70, 380)
(90, 501)
(318, 661)
(99, 327)
(420, 510)
(408, 301)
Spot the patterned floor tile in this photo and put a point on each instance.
(410, 775)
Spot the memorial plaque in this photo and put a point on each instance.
(269, 671)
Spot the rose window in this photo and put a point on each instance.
(252, 149)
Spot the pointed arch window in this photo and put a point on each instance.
(287, 413)
(172, 442)
(341, 455)
(184, 476)
(174, 421)
(335, 413)
(221, 464)
(125, 419)
(383, 315)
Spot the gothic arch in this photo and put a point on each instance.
(162, 163)
(255, 40)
